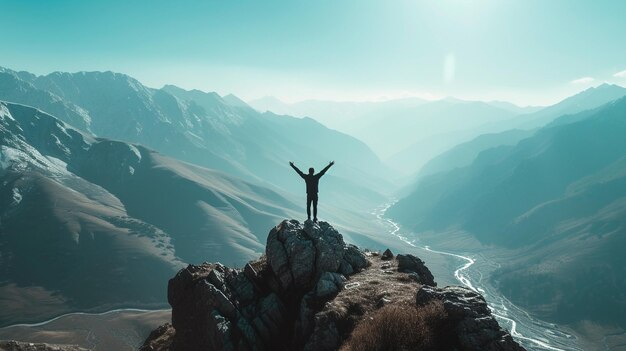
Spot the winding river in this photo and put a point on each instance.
(473, 272)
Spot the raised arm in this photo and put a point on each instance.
(321, 173)
(296, 169)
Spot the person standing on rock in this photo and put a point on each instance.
(312, 181)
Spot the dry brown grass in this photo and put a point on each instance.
(398, 327)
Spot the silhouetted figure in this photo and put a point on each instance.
(312, 181)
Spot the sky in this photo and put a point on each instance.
(530, 52)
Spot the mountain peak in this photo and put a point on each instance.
(604, 88)
(234, 100)
(609, 87)
(178, 91)
(296, 297)
(590, 98)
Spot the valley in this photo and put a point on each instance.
(156, 194)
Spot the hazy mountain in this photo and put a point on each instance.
(559, 198)
(464, 154)
(434, 154)
(405, 132)
(18, 87)
(340, 115)
(267, 140)
(505, 105)
(586, 100)
(225, 134)
(408, 133)
(417, 135)
(93, 222)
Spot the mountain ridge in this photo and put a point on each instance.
(204, 129)
(131, 201)
(557, 198)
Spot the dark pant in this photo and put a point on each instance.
(311, 198)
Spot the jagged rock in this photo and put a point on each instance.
(414, 276)
(329, 244)
(250, 272)
(289, 298)
(159, 339)
(329, 284)
(291, 254)
(474, 325)
(325, 337)
(412, 264)
(345, 268)
(197, 305)
(355, 258)
(12, 345)
(217, 308)
(387, 255)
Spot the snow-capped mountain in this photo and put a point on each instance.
(87, 221)
(208, 130)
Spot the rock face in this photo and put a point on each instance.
(413, 265)
(29, 346)
(265, 306)
(473, 325)
(307, 292)
(387, 255)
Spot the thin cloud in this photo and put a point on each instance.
(582, 80)
(621, 74)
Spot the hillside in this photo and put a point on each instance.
(110, 213)
(588, 99)
(204, 129)
(557, 197)
(464, 154)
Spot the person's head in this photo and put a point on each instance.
(311, 170)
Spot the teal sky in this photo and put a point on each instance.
(528, 52)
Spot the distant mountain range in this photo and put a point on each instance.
(92, 222)
(107, 206)
(558, 197)
(205, 129)
(509, 132)
(107, 187)
(406, 133)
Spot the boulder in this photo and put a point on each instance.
(329, 285)
(355, 258)
(218, 308)
(475, 328)
(387, 255)
(412, 264)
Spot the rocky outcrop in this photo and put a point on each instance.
(308, 292)
(387, 255)
(160, 339)
(29, 346)
(474, 327)
(416, 269)
(266, 305)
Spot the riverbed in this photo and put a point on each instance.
(473, 271)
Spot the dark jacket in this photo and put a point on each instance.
(312, 180)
